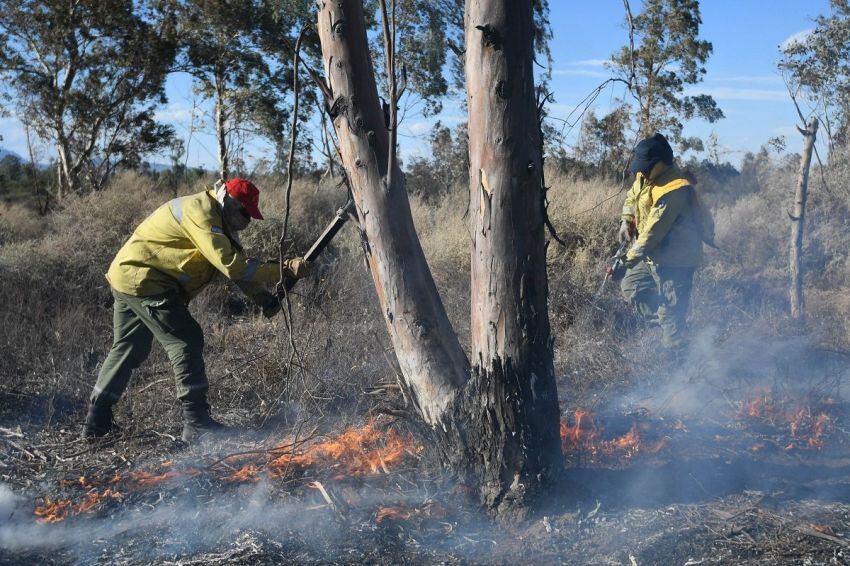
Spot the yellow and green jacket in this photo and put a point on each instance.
(664, 208)
(181, 246)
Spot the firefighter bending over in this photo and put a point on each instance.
(169, 259)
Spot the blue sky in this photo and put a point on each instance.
(741, 75)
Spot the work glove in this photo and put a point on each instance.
(298, 268)
(626, 231)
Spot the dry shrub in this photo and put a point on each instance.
(19, 223)
(55, 325)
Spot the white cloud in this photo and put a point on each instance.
(797, 37)
(588, 63)
(581, 73)
(175, 112)
(419, 128)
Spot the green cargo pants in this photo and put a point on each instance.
(136, 321)
(661, 295)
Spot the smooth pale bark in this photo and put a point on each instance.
(798, 220)
(66, 180)
(431, 359)
(511, 342)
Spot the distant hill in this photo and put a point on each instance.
(153, 166)
(5, 152)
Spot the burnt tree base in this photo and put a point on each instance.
(500, 437)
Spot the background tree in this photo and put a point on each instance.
(446, 165)
(798, 220)
(87, 76)
(602, 141)
(665, 55)
(238, 54)
(817, 71)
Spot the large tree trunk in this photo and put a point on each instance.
(511, 342)
(497, 425)
(798, 220)
(429, 354)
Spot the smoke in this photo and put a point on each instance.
(9, 503)
(716, 372)
(184, 525)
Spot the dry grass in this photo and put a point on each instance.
(55, 325)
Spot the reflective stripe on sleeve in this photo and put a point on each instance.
(176, 206)
(629, 210)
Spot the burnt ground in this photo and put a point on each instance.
(733, 492)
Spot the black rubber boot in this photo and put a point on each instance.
(98, 422)
(197, 420)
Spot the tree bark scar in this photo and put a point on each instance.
(485, 202)
(490, 37)
(339, 107)
(502, 91)
(420, 328)
(501, 331)
(364, 242)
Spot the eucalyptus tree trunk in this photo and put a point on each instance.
(798, 220)
(429, 354)
(512, 369)
(495, 424)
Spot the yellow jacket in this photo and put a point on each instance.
(181, 246)
(665, 212)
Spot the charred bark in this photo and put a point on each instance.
(511, 341)
(798, 221)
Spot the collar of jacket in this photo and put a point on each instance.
(217, 193)
(667, 180)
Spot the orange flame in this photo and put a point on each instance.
(355, 452)
(585, 435)
(147, 479)
(55, 511)
(808, 427)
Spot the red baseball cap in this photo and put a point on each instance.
(247, 194)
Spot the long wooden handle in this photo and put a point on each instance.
(322, 242)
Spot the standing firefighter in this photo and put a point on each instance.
(663, 215)
(170, 258)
